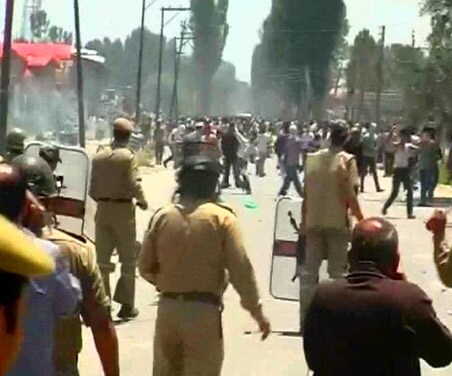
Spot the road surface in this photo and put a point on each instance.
(245, 354)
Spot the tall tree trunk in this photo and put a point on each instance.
(205, 95)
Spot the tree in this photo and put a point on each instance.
(210, 29)
(300, 39)
(56, 34)
(361, 70)
(121, 63)
(39, 24)
(439, 65)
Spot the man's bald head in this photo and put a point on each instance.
(13, 187)
(375, 240)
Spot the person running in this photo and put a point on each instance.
(291, 161)
(369, 141)
(402, 173)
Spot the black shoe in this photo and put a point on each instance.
(127, 312)
(225, 185)
(384, 211)
(411, 216)
(379, 190)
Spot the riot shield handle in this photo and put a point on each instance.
(293, 222)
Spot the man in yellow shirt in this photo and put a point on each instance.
(330, 197)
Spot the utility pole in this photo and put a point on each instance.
(160, 66)
(140, 65)
(81, 103)
(413, 39)
(6, 64)
(159, 77)
(174, 108)
(380, 76)
(177, 52)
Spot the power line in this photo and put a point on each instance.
(150, 5)
(172, 18)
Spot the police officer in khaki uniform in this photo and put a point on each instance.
(95, 307)
(20, 259)
(115, 184)
(330, 197)
(15, 144)
(189, 249)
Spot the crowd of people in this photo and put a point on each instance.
(368, 321)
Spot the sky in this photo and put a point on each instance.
(245, 18)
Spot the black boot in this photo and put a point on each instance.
(128, 312)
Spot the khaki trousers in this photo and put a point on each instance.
(116, 229)
(188, 339)
(321, 245)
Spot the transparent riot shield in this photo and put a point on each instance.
(73, 209)
(283, 282)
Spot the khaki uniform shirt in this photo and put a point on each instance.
(115, 175)
(83, 265)
(329, 181)
(192, 249)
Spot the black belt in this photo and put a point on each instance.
(201, 297)
(116, 201)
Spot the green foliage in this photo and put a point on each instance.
(210, 30)
(43, 32)
(57, 34)
(300, 40)
(122, 66)
(361, 70)
(439, 66)
(39, 24)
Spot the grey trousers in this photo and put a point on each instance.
(321, 245)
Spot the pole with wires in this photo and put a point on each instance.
(380, 76)
(6, 65)
(158, 95)
(174, 108)
(81, 103)
(159, 76)
(140, 65)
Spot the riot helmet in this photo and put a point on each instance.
(15, 143)
(51, 154)
(38, 173)
(199, 173)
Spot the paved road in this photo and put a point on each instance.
(245, 354)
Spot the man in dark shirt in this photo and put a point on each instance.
(374, 322)
(230, 146)
(159, 142)
(291, 156)
(354, 146)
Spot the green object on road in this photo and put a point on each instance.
(251, 204)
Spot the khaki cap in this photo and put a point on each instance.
(19, 255)
(123, 125)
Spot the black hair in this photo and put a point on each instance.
(12, 286)
(121, 136)
(286, 127)
(13, 187)
(197, 185)
(339, 134)
(380, 247)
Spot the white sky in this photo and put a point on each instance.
(116, 19)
